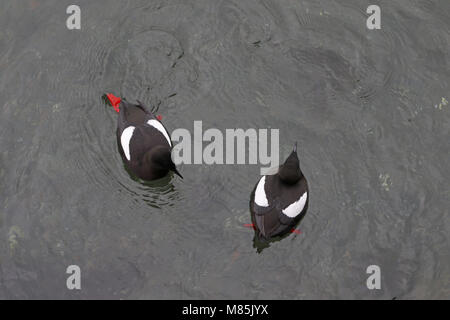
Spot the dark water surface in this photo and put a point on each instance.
(369, 109)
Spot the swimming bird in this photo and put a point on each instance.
(143, 141)
(279, 201)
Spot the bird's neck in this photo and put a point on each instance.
(290, 174)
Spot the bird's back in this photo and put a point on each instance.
(270, 220)
(146, 131)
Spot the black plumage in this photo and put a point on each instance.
(149, 149)
(285, 188)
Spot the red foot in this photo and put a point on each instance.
(115, 101)
(159, 117)
(296, 231)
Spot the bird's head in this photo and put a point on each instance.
(159, 159)
(290, 172)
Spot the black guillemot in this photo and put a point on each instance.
(143, 141)
(279, 201)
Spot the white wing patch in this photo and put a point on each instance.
(260, 193)
(158, 126)
(295, 208)
(125, 139)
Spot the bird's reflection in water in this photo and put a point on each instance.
(156, 193)
(261, 243)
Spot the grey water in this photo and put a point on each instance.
(369, 108)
